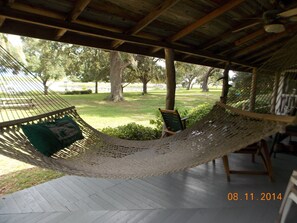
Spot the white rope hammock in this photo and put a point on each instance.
(222, 131)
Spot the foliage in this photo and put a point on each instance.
(239, 94)
(146, 70)
(44, 59)
(261, 106)
(78, 92)
(193, 115)
(197, 113)
(189, 74)
(86, 63)
(133, 131)
(16, 52)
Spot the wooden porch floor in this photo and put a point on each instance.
(196, 195)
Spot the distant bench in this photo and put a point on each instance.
(16, 102)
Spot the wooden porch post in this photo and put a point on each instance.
(275, 92)
(253, 90)
(225, 87)
(224, 95)
(170, 78)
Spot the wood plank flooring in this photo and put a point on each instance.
(196, 195)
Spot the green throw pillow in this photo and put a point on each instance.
(50, 137)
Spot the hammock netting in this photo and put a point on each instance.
(225, 129)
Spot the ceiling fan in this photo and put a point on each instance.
(273, 20)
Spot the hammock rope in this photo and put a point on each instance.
(222, 131)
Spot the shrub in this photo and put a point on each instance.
(133, 131)
(197, 113)
(79, 92)
(194, 115)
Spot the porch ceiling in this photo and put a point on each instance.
(201, 32)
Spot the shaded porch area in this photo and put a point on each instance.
(197, 195)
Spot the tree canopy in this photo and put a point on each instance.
(147, 69)
(86, 64)
(45, 59)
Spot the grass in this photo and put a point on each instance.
(137, 108)
(98, 112)
(22, 179)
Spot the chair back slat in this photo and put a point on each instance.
(172, 120)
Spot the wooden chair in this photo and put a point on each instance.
(173, 123)
(260, 149)
(278, 146)
(288, 199)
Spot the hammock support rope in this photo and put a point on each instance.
(225, 129)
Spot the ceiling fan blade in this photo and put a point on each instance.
(288, 13)
(246, 27)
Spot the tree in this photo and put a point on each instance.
(118, 63)
(44, 59)
(16, 52)
(87, 64)
(147, 70)
(187, 74)
(210, 71)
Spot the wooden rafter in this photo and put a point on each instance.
(263, 52)
(221, 37)
(7, 3)
(43, 12)
(99, 33)
(200, 22)
(154, 14)
(78, 8)
(249, 37)
(2, 20)
(266, 41)
(38, 11)
(205, 19)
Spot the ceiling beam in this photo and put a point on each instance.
(205, 19)
(44, 12)
(154, 14)
(6, 3)
(95, 32)
(263, 52)
(2, 20)
(78, 8)
(221, 37)
(200, 22)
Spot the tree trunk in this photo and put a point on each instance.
(116, 93)
(144, 81)
(205, 80)
(144, 88)
(189, 85)
(170, 78)
(96, 87)
(45, 88)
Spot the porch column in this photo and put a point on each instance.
(170, 78)
(225, 87)
(275, 92)
(223, 99)
(253, 90)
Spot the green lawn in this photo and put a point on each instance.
(136, 108)
(98, 112)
